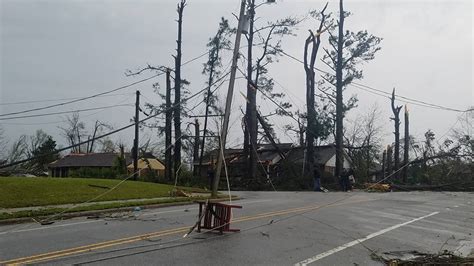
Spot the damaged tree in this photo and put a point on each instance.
(256, 75)
(216, 44)
(315, 41)
(347, 50)
(177, 91)
(396, 122)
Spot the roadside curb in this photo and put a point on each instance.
(112, 210)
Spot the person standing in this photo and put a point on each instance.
(317, 180)
(345, 180)
(210, 176)
(351, 179)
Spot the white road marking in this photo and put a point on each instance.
(360, 240)
(102, 220)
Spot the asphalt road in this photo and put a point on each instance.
(277, 228)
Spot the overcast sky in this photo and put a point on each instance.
(61, 49)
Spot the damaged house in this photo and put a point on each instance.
(278, 162)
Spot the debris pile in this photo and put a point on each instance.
(457, 186)
(377, 187)
(179, 193)
(401, 258)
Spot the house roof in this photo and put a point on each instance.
(284, 147)
(322, 154)
(89, 160)
(152, 163)
(268, 153)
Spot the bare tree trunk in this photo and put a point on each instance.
(311, 113)
(168, 121)
(367, 158)
(301, 132)
(389, 161)
(250, 138)
(339, 99)
(406, 147)
(177, 89)
(315, 40)
(396, 121)
(208, 97)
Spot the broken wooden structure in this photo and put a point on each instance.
(216, 216)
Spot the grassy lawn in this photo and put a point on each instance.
(26, 191)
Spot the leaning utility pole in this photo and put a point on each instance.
(228, 103)
(168, 121)
(406, 147)
(135, 141)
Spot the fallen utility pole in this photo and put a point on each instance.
(228, 104)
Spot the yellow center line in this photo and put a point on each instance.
(121, 241)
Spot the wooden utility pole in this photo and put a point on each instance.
(228, 103)
(339, 99)
(396, 121)
(384, 159)
(196, 147)
(177, 90)
(135, 141)
(406, 147)
(168, 121)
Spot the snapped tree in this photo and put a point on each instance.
(347, 50)
(314, 40)
(267, 40)
(396, 123)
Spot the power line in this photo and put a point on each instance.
(66, 112)
(59, 99)
(111, 132)
(83, 98)
(61, 121)
(99, 94)
(384, 93)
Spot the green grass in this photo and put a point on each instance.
(25, 191)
